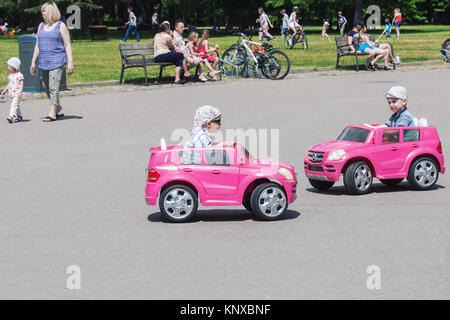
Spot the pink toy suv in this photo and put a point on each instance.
(217, 176)
(390, 154)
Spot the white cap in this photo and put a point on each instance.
(14, 62)
(397, 92)
(166, 22)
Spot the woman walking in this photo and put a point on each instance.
(54, 51)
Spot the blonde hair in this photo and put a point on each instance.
(192, 35)
(53, 14)
(295, 9)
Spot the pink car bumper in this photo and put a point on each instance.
(151, 193)
(324, 171)
(291, 190)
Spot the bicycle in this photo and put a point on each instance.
(257, 59)
(300, 37)
(445, 51)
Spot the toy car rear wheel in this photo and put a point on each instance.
(358, 178)
(423, 173)
(247, 204)
(391, 182)
(321, 185)
(178, 203)
(269, 201)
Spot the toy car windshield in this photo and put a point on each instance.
(354, 134)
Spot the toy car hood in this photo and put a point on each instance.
(335, 145)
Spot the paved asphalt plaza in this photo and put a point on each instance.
(72, 193)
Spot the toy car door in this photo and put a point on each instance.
(220, 174)
(390, 152)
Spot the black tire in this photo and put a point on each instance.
(171, 213)
(445, 49)
(237, 55)
(391, 182)
(286, 42)
(358, 178)
(276, 65)
(321, 185)
(415, 177)
(247, 203)
(258, 197)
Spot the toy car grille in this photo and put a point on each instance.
(316, 156)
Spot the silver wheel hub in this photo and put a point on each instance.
(272, 202)
(425, 173)
(178, 203)
(363, 177)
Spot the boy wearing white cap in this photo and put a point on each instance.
(397, 98)
(14, 88)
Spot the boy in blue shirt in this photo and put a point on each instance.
(388, 26)
(397, 99)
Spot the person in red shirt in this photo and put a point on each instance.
(397, 22)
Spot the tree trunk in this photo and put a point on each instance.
(358, 9)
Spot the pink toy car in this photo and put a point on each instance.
(217, 176)
(390, 154)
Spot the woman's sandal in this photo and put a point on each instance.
(50, 119)
(388, 68)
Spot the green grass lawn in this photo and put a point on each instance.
(100, 60)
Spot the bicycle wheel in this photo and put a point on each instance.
(445, 51)
(305, 42)
(289, 45)
(236, 57)
(276, 65)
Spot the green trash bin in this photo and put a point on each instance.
(32, 83)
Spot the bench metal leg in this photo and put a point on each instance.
(196, 72)
(160, 73)
(357, 64)
(337, 62)
(145, 72)
(121, 75)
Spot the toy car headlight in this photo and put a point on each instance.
(336, 155)
(286, 173)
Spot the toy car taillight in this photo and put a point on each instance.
(439, 147)
(153, 175)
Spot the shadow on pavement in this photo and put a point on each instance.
(376, 188)
(222, 215)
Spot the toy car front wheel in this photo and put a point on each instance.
(423, 173)
(178, 203)
(321, 185)
(269, 201)
(391, 182)
(358, 178)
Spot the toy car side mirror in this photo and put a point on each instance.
(373, 140)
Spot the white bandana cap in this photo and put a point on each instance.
(14, 62)
(397, 92)
(203, 115)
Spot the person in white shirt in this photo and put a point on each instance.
(264, 22)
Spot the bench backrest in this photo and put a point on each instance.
(146, 49)
(341, 42)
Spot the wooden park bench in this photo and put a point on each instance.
(99, 30)
(343, 49)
